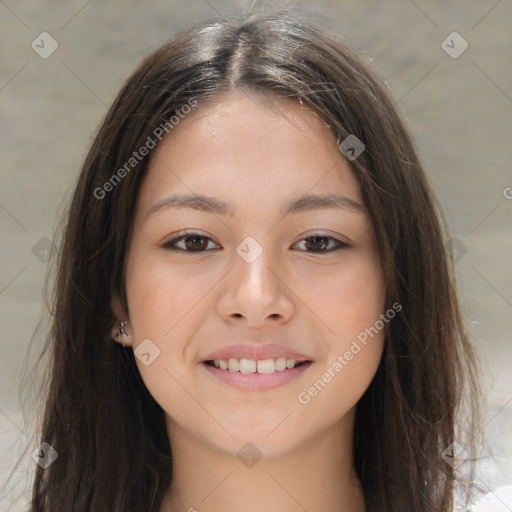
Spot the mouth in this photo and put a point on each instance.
(261, 366)
(256, 374)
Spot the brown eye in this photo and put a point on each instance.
(189, 242)
(322, 244)
(196, 243)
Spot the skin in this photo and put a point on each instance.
(261, 152)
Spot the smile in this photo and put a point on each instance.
(256, 375)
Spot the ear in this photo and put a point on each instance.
(121, 329)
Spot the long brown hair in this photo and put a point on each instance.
(114, 452)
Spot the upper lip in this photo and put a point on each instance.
(256, 352)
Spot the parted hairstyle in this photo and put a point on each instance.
(110, 434)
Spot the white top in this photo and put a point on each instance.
(497, 501)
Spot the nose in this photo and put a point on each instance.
(256, 294)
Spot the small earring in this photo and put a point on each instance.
(122, 332)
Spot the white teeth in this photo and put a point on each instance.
(262, 366)
(233, 364)
(247, 366)
(266, 366)
(280, 364)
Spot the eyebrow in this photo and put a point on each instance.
(304, 203)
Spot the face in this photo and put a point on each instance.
(274, 273)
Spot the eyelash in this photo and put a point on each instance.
(171, 244)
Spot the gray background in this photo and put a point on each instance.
(459, 110)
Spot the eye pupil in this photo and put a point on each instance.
(196, 242)
(321, 242)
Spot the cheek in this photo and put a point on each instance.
(350, 299)
(349, 302)
(354, 344)
(161, 295)
(339, 385)
(166, 303)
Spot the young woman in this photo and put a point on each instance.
(254, 308)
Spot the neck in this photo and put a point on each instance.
(317, 475)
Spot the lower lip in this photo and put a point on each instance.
(257, 381)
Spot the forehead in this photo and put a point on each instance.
(252, 148)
